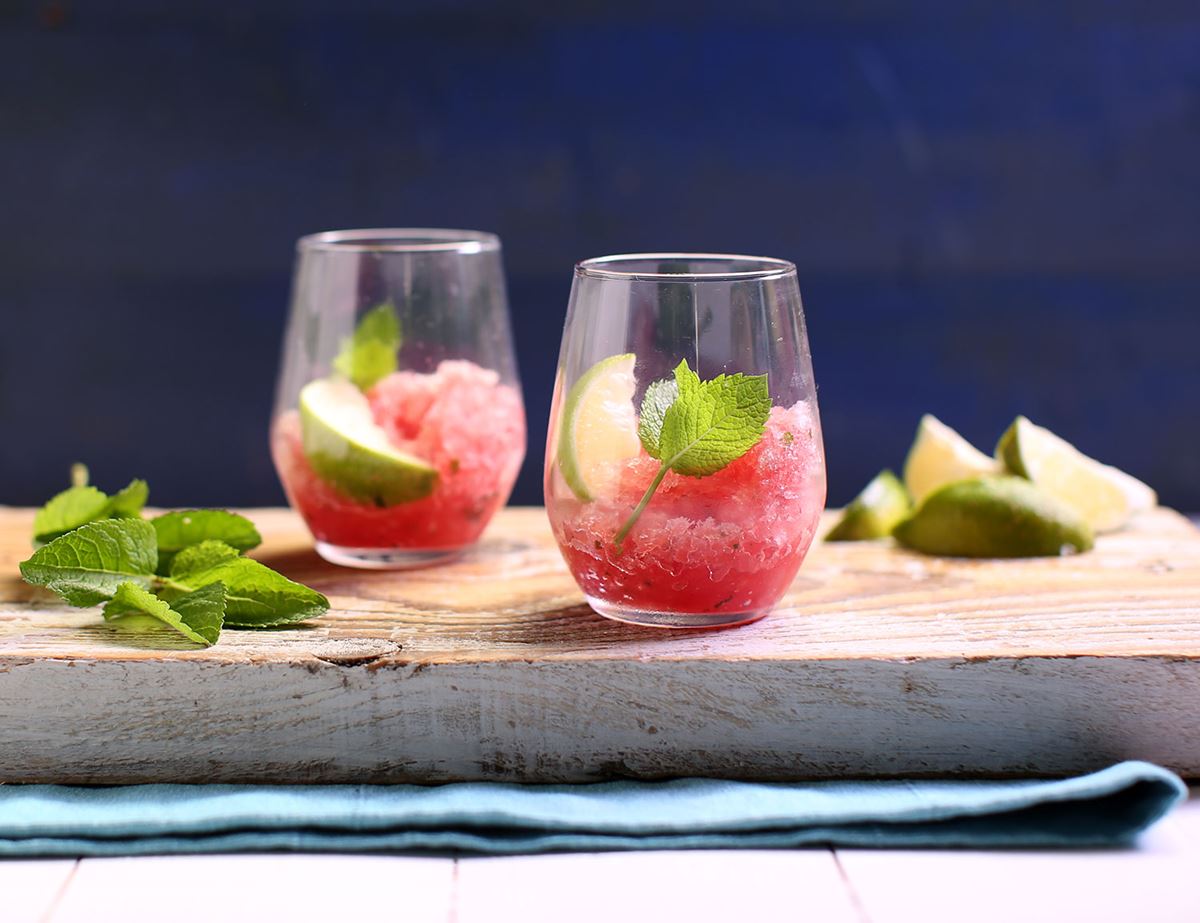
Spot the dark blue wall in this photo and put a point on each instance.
(995, 207)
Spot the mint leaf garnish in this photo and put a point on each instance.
(370, 353)
(86, 566)
(197, 616)
(258, 597)
(708, 425)
(712, 423)
(659, 397)
(180, 529)
(200, 557)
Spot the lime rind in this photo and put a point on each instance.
(882, 504)
(998, 516)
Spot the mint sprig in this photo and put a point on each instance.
(81, 503)
(184, 569)
(697, 427)
(369, 354)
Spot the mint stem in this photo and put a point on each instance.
(637, 510)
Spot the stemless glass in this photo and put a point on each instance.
(719, 543)
(399, 426)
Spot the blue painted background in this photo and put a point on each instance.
(995, 207)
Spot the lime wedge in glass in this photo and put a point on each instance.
(347, 448)
(1105, 496)
(1001, 516)
(599, 427)
(940, 455)
(874, 512)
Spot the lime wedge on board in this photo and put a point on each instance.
(874, 512)
(940, 455)
(599, 426)
(1002, 516)
(347, 448)
(1103, 495)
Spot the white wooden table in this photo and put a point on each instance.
(1155, 883)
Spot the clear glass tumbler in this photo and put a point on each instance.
(685, 473)
(399, 426)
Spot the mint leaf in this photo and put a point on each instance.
(712, 423)
(183, 528)
(708, 425)
(128, 502)
(81, 503)
(258, 597)
(370, 353)
(86, 566)
(657, 400)
(197, 616)
(200, 557)
(69, 510)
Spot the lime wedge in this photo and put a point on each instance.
(1105, 496)
(874, 512)
(347, 448)
(994, 517)
(938, 456)
(599, 427)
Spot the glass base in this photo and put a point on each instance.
(656, 619)
(384, 558)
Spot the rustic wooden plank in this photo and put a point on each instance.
(696, 886)
(296, 888)
(29, 888)
(879, 662)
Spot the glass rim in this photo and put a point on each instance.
(401, 240)
(769, 267)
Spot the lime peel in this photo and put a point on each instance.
(873, 513)
(999, 516)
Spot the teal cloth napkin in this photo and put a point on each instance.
(1105, 808)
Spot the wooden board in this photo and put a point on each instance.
(879, 662)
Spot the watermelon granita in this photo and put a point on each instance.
(460, 428)
(726, 545)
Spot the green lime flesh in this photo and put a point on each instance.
(350, 451)
(874, 512)
(994, 517)
(568, 458)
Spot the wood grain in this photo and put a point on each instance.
(879, 662)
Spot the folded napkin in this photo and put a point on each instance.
(1105, 808)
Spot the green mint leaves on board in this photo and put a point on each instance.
(81, 503)
(182, 529)
(257, 597)
(86, 566)
(696, 428)
(369, 354)
(196, 558)
(198, 616)
(182, 569)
